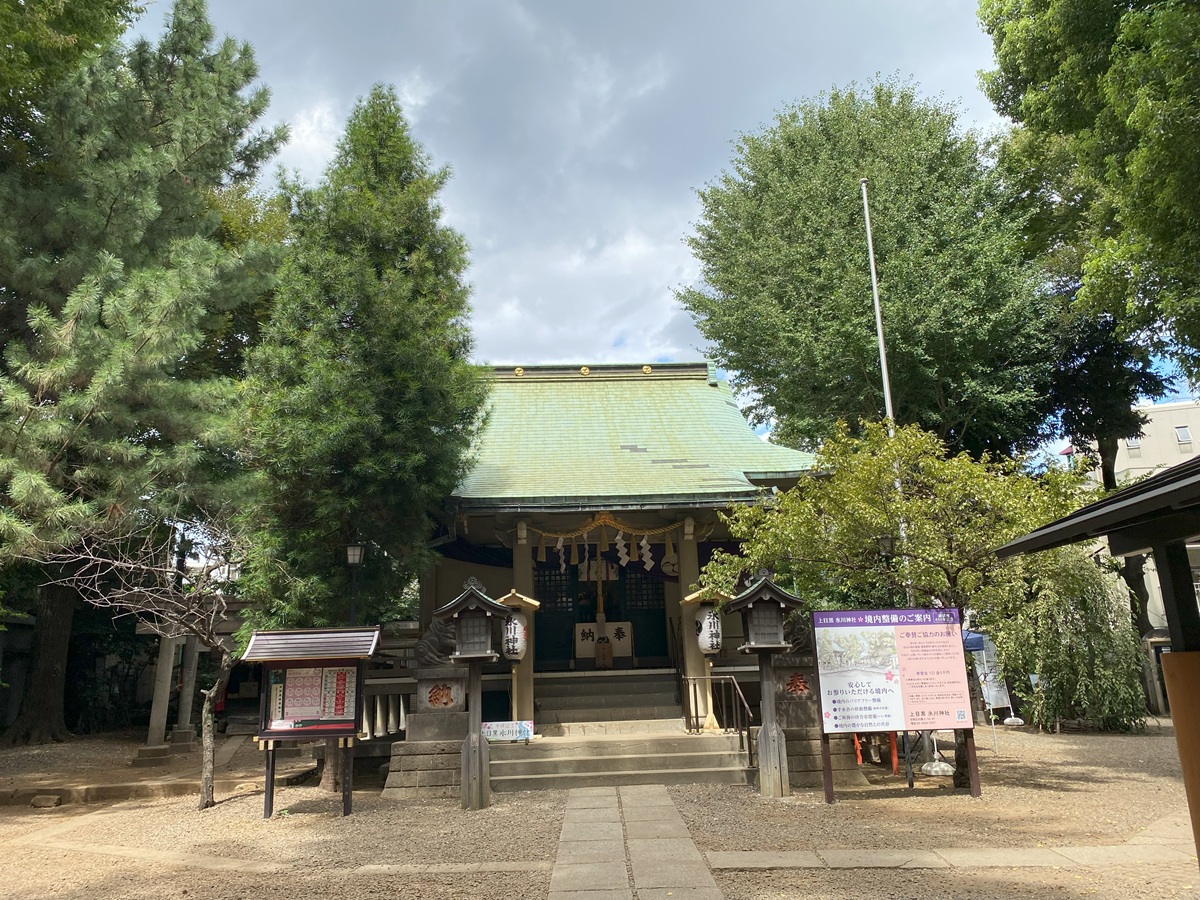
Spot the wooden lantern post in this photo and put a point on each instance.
(763, 606)
(474, 612)
(518, 646)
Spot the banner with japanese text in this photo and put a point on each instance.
(891, 670)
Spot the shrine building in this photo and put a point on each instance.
(596, 491)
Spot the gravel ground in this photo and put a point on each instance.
(1040, 789)
(1048, 790)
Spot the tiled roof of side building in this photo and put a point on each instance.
(619, 436)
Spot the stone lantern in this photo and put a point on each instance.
(764, 605)
(474, 613)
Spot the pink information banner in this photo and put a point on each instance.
(891, 670)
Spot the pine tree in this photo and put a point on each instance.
(112, 281)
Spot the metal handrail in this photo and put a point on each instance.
(677, 664)
(730, 709)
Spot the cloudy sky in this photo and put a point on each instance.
(579, 132)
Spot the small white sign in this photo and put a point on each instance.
(508, 731)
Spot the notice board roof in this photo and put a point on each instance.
(312, 643)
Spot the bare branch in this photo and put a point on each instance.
(173, 576)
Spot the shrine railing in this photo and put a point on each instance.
(729, 709)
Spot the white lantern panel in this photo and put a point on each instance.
(708, 630)
(516, 635)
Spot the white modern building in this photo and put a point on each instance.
(1171, 436)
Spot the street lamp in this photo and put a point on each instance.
(354, 558)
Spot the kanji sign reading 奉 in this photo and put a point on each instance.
(891, 670)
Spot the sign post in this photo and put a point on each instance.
(893, 670)
(312, 688)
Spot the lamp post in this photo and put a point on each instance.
(354, 558)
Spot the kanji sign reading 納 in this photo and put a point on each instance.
(891, 670)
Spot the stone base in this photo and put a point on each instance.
(183, 739)
(152, 755)
(804, 759)
(421, 769)
(437, 726)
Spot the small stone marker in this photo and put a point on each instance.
(46, 801)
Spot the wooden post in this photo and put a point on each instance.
(908, 760)
(773, 778)
(972, 762)
(476, 786)
(347, 775)
(826, 767)
(269, 793)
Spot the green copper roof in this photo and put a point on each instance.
(619, 437)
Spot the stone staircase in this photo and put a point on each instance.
(573, 704)
(613, 728)
(618, 759)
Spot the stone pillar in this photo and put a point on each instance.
(163, 671)
(157, 751)
(522, 677)
(693, 664)
(183, 735)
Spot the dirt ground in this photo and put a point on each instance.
(1038, 790)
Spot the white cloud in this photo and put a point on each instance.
(315, 131)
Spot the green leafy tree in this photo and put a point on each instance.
(895, 521)
(1071, 630)
(787, 296)
(113, 281)
(1102, 367)
(1117, 88)
(361, 405)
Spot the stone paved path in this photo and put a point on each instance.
(616, 841)
(621, 843)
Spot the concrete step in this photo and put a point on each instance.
(601, 701)
(611, 727)
(579, 765)
(606, 714)
(616, 745)
(616, 759)
(563, 781)
(602, 687)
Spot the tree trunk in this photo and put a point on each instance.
(1133, 571)
(41, 719)
(208, 740)
(331, 774)
(1108, 462)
